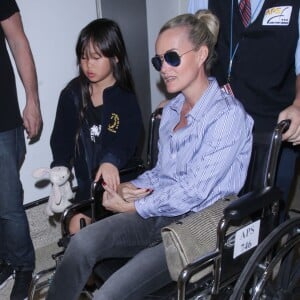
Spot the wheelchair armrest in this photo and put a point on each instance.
(77, 206)
(251, 203)
(193, 268)
(74, 208)
(137, 167)
(197, 265)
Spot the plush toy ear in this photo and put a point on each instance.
(41, 172)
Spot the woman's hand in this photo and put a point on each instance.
(109, 174)
(131, 193)
(114, 202)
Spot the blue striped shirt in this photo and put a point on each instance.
(201, 162)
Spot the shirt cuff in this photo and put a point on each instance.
(142, 208)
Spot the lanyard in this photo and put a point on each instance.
(232, 51)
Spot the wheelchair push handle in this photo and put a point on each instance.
(95, 187)
(283, 126)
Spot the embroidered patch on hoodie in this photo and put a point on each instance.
(114, 124)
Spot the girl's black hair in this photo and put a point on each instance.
(106, 37)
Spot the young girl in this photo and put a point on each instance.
(98, 120)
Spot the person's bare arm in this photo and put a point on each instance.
(293, 113)
(20, 48)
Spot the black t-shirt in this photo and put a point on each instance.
(9, 108)
(93, 116)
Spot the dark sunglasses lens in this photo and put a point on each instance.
(172, 58)
(156, 62)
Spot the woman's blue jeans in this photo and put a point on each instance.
(16, 245)
(121, 235)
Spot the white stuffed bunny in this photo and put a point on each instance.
(61, 192)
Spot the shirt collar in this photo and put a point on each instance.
(204, 103)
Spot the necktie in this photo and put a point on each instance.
(245, 10)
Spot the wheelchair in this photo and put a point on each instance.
(225, 277)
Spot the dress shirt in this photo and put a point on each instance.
(201, 162)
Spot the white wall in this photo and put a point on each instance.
(52, 27)
(158, 12)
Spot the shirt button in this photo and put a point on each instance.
(173, 156)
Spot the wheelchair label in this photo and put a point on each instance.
(246, 238)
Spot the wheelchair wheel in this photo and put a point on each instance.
(272, 271)
(40, 284)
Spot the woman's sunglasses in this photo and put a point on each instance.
(172, 58)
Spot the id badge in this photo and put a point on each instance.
(227, 89)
